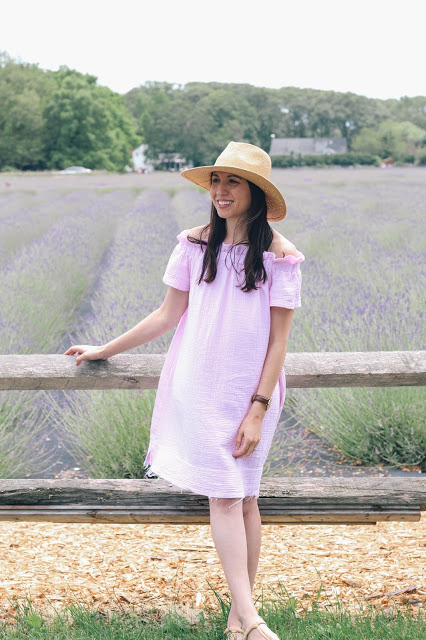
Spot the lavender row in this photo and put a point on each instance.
(362, 291)
(22, 226)
(41, 289)
(43, 284)
(108, 432)
(130, 286)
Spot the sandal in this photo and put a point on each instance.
(263, 632)
(231, 631)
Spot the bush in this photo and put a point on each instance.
(422, 160)
(325, 160)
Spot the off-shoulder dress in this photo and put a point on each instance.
(213, 368)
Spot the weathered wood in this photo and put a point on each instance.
(282, 500)
(295, 490)
(129, 371)
(134, 516)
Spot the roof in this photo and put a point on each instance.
(307, 146)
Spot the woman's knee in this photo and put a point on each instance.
(250, 506)
(225, 505)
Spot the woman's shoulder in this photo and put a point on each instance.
(282, 247)
(200, 232)
(187, 237)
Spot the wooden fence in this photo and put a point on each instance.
(282, 500)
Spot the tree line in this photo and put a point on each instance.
(53, 119)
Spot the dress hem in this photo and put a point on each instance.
(151, 471)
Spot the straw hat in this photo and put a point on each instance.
(249, 162)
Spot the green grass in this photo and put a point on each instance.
(80, 621)
(107, 433)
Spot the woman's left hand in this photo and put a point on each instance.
(251, 430)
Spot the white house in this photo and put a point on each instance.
(140, 162)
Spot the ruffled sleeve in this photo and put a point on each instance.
(286, 281)
(177, 273)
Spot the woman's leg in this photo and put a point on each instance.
(237, 540)
(253, 529)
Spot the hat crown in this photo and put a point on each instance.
(241, 155)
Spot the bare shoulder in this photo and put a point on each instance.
(281, 246)
(198, 232)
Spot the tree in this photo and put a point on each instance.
(24, 89)
(87, 125)
(396, 139)
(216, 119)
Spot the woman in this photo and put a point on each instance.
(233, 286)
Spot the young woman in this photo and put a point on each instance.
(233, 286)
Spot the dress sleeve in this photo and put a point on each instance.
(286, 281)
(177, 273)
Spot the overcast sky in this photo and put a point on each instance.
(370, 47)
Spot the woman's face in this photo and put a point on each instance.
(230, 194)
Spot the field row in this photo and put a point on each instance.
(86, 265)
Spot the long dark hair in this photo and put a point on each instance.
(259, 240)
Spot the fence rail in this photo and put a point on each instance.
(282, 500)
(142, 371)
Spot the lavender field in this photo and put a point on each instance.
(81, 260)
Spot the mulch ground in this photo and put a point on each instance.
(162, 566)
(165, 566)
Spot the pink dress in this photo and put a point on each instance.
(213, 368)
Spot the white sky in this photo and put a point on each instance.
(370, 47)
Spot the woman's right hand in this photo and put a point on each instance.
(86, 352)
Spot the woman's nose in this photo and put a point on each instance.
(222, 189)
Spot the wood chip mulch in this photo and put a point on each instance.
(168, 566)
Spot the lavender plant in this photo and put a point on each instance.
(192, 208)
(41, 288)
(21, 226)
(108, 432)
(362, 234)
(362, 291)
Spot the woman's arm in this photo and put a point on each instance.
(251, 426)
(156, 324)
(281, 319)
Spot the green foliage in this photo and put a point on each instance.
(199, 119)
(22, 433)
(377, 426)
(409, 109)
(87, 125)
(56, 119)
(111, 436)
(288, 617)
(24, 89)
(217, 118)
(396, 139)
(325, 160)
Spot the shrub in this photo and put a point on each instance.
(325, 160)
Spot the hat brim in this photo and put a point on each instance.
(275, 203)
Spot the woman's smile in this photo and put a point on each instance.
(222, 204)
